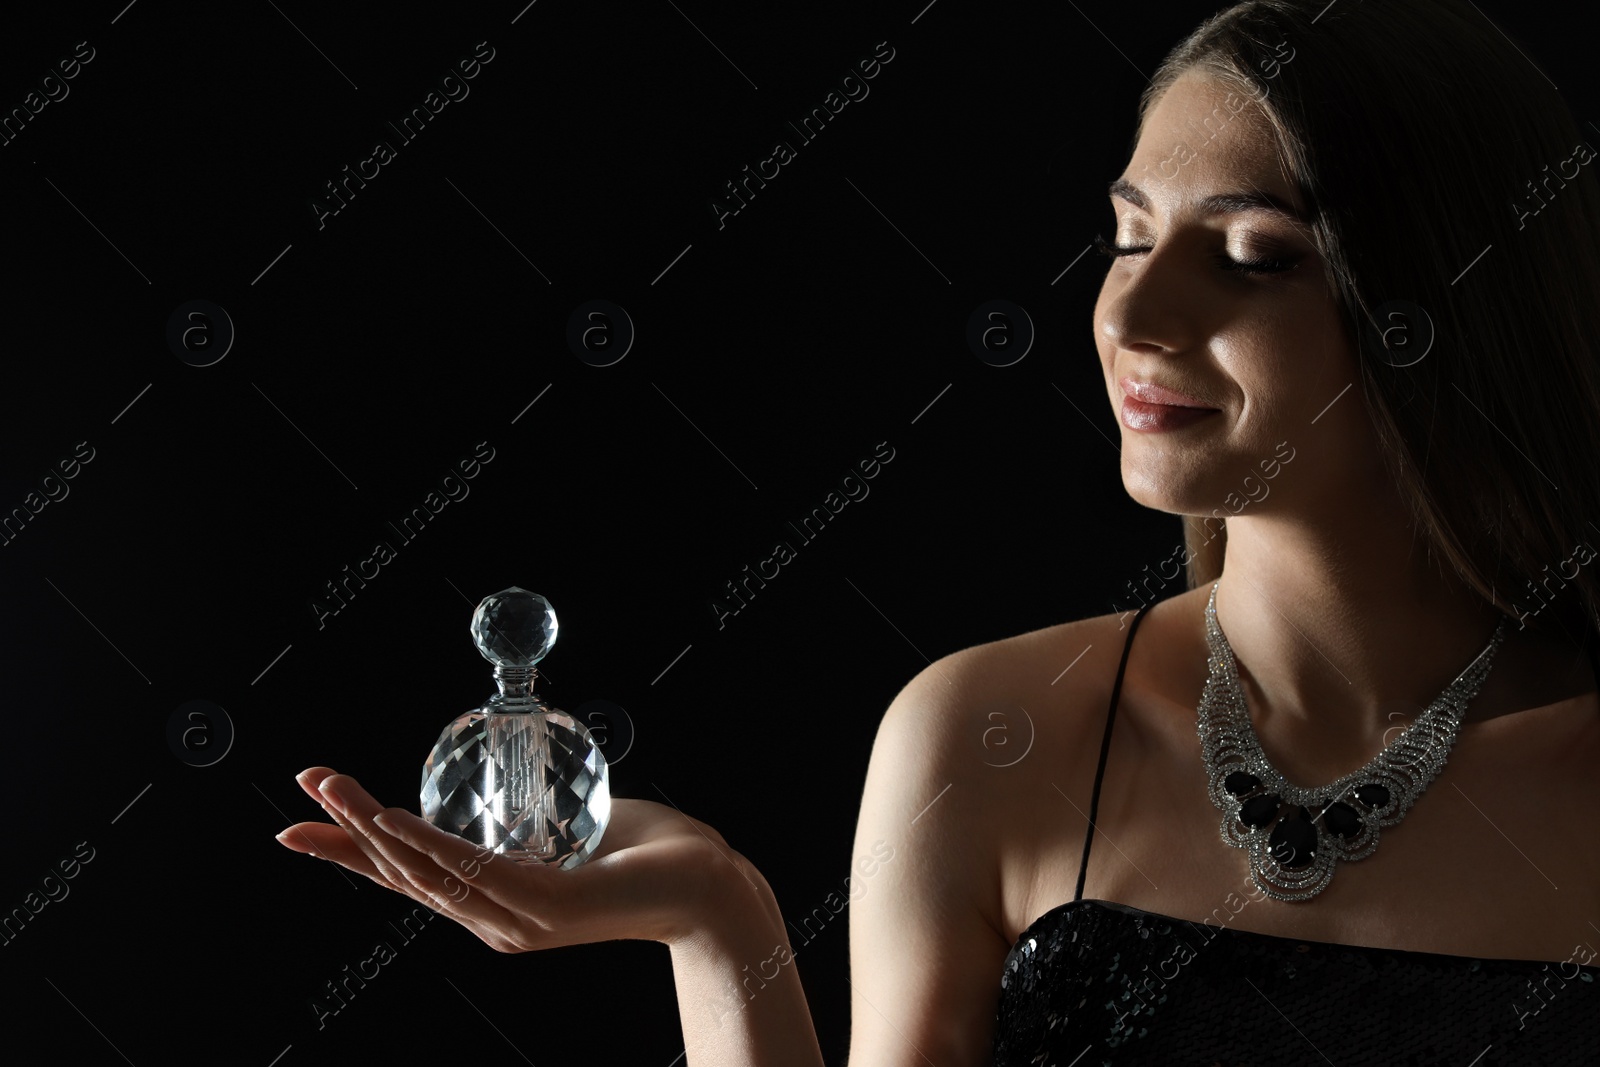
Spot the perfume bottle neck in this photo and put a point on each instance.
(516, 686)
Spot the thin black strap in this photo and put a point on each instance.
(1105, 749)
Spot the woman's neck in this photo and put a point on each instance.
(1344, 631)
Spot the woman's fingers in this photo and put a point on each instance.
(359, 851)
(355, 844)
(352, 807)
(329, 842)
(502, 881)
(448, 886)
(332, 842)
(535, 906)
(312, 778)
(336, 807)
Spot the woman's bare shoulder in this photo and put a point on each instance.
(1047, 690)
(962, 784)
(990, 753)
(1061, 669)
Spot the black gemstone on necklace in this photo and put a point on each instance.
(1341, 820)
(1240, 782)
(1258, 811)
(1373, 796)
(1294, 840)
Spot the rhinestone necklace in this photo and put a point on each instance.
(1294, 859)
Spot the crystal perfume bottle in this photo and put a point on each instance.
(516, 775)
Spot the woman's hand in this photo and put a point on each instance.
(658, 875)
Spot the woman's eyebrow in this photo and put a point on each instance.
(1217, 203)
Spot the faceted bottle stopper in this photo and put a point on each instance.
(514, 628)
(515, 775)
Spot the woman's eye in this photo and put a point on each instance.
(1256, 266)
(1116, 251)
(1276, 265)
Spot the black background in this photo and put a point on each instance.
(776, 351)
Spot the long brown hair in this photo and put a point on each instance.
(1438, 164)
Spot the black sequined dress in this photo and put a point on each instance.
(1093, 983)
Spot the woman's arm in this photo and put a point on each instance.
(925, 949)
(739, 997)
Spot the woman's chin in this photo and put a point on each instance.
(1170, 495)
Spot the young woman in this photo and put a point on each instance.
(1349, 331)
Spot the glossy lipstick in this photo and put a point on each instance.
(1153, 409)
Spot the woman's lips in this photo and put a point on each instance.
(1153, 408)
(1150, 393)
(1157, 418)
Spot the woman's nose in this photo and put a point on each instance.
(1157, 304)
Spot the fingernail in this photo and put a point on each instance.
(383, 823)
(334, 799)
(286, 839)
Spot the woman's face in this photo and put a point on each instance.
(1263, 355)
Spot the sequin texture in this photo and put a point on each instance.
(1095, 984)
